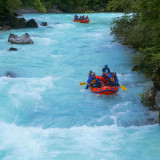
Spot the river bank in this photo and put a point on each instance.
(147, 61)
(141, 31)
(34, 11)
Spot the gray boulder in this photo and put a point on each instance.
(31, 24)
(26, 11)
(13, 49)
(44, 24)
(157, 100)
(24, 39)
(10, 74)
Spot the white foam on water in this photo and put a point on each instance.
(44, 40)
(102, 118)
(83, 90)
(95, 34)
(23, 88)
(64, 26)
(105, 142)
(67, 15)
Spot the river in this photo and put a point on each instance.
(46, 115)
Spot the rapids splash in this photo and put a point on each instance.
(46, 115)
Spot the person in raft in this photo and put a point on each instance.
(105, 74)
(76, 17)
(106, 70)
(93, 81)
(86, 17)
(89, 74)
(113, 79)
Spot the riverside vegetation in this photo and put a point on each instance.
(68, 6)
(141, 30)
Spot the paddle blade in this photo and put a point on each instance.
(83, 83)
(123, 87)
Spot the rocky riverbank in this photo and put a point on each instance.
(11, 21)
(152, 96)
(33, 11)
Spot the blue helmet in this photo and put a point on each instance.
(106, 65)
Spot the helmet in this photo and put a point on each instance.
(90, 71)
(93, 74)
(106, 65)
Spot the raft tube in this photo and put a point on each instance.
(76, 20)
(105, 90)
(84, 21)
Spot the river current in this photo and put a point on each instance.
(46, 115)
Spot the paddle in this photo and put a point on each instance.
(123, 88)
(83, 83)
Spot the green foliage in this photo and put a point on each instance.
(10, 5)
(122, 5)
(35, 4)
(77, 5)
(13, 4)
(141, 30)
(38, 5)
(64, 5)
(125, 28)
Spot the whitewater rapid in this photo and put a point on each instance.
(46, 115)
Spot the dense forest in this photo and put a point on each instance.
(63, 5)
(141, 30)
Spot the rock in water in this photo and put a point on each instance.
(135, 68)
(31, 24)
(157, 100)
(13, 49)
(10, 74)
(5, 27)
(24, 39)
(44, 24)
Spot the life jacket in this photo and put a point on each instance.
(112, 79)
(93, 80)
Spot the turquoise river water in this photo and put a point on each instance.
(46, 115)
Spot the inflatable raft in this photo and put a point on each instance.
(104, 89)
(76, 20)
(81, 21)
